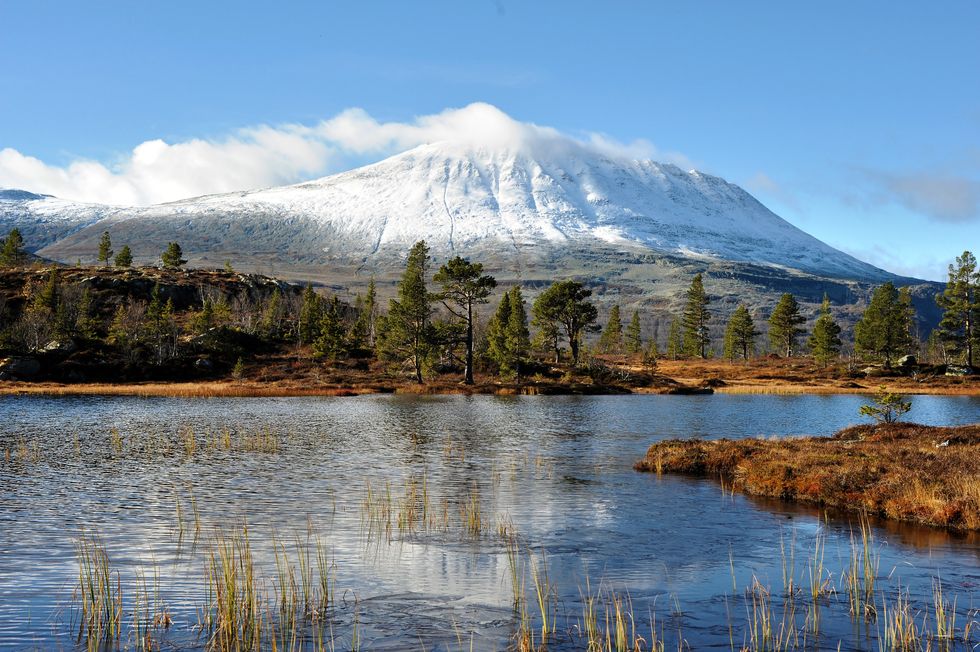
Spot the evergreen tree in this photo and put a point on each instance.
(960, 301)
(497, 349)
(464, 285)
(161, 328)
(408, 332)
(358, 336)
(310, 315)
(885, 330)
(651, 354)
(634, 335)
(740, 334)
(125, 257)
(105, 249)
(47, 298)
(12, 252)
(118, 331)
(611, 340)
(784, 325)
(329, 343)
(508, 337)
(273, 313)
(675, 345)
(695, 320)
(172, 257)
(87, 324)
(517, 337)
(825, 340)
(565, 305)
(363, 330)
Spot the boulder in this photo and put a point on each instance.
(203, 364)
(65, 347)
(957, 370)
(907, 361)
(20, 367)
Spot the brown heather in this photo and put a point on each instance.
(903, 471)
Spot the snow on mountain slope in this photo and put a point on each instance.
(458, 196)
(522, 199)
(43, 219)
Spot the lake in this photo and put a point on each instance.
(420, 511)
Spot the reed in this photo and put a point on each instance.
(115, 440)
(944, 613)
(471, 513)
(233, 616)
(862, 573)
(99, 592)
(189, 439)
(901, 634)
(543, 592)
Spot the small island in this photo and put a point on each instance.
(904, 471)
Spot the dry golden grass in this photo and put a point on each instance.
(804, 376)
(904, 471)
(213, 389)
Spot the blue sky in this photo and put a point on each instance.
(858, 122)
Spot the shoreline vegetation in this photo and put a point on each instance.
(166, 330)
(929, 475)
(760, 379)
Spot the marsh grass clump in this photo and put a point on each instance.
(99, 592)
(233, 612)
(862, 573)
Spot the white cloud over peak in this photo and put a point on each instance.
(156, 171)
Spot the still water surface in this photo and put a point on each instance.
(557, 468)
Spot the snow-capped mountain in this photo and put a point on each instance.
(517, 204)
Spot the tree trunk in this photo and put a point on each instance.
(468, 374)
(573, 344)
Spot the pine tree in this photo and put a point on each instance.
(118, 333)
(825, 340)
(960, 301)
(784, 325)
(12, 253)
(172, 257)
(125, 257)
(651, 354)
(87, 324)
(695, 320)
(740, 334)
(47, 298)
(611, 340)
(310, 314)
(634, 335)
(160, 325)
(363, 330)
(565, 306)
(885, 330)
(330, 343)
(497, 349)
(408, 332)
(105, 249)
(464, 285)
(675, 345)
(517, 337)
(270, 322)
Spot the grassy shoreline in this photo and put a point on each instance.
(921, 474)
(245, 389)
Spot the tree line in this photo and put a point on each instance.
(431, 329)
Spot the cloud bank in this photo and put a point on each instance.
(946, 198)
(256, 157)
